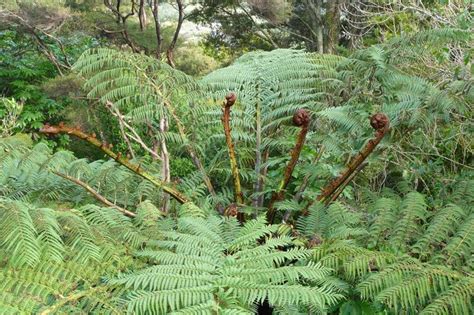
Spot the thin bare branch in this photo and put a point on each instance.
(169, 52)
(95, 194)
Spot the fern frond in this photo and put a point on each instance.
(202, 266)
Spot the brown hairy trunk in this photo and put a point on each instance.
(230, 100)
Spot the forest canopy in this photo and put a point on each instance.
(236, 157)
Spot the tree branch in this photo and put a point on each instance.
(61, 129)
(95, 194)
(123, 19)
(159, 38)
(115, 112)
(169, 52)
(265, 34)
(182, 132)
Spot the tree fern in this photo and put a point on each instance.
(51, 257)
(403, 250)
(416, 287)
(207, 265)
(270, 87)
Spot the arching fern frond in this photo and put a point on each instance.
(416, 287)
(200, 266)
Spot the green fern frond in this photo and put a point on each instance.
(413, 210)
(201, 265)
(20, 237)
(456, 300)
(444, 223)
(412, 286)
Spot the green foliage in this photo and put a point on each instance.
(193, 61)
(422, 288)
(21, 77)
(233, 31)
(10, 111)
(198, 264)
(213, 265)
(26, 75)
(410, 259)
(55, 257)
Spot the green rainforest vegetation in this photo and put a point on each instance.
(237, 157)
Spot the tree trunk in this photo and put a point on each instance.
(159, 38)
(165, 168)
(118, 10)
(122, 19)
(333, 24)
(319, 27)
(169, 52)
(142, 15)
(316, 25)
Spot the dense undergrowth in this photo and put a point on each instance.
(62, 253)
(289, 182)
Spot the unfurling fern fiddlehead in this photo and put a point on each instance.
(229, 101)
(301, 119)
(381, 124)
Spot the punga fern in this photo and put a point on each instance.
(30, 173)
(415, 257)
(56, 258)
(213, 265)
(270, 87)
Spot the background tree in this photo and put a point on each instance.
(312, 24)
